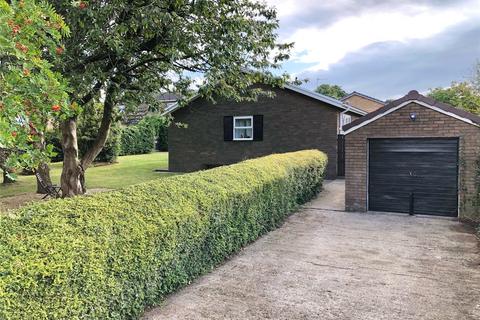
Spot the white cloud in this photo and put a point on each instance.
(287, 8)
(328, 46)
(354, 30)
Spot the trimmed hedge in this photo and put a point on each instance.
(137, 140)
(109, 255)
(149, 134)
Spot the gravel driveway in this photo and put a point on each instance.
(328, 264)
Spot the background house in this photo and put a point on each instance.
(363, 102)
(134, 117)
(228, 132)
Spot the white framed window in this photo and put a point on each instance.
(243, 128)
(345, 119)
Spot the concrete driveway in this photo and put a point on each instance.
(327, 264)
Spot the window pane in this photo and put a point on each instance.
(243, 122)
(243, 133)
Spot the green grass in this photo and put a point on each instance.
(129, 170)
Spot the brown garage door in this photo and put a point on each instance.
(413, 176)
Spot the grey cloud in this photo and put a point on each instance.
(320, 15)
(390, 69)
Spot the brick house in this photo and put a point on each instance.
(228, 132)
(414, 155)
(363, 102)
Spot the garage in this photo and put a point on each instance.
(417, 176)
(414, 156)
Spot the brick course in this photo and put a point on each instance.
(429, 124)
(291, 122)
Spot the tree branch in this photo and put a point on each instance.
(104, 129)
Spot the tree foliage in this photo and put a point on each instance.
(88, 122)
(331, 90)
(133, 50)
(463, 95)
(30, 92)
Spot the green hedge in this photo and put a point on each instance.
(140, 138)
(109, 255)
(137, 140)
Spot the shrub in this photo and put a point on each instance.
(140, 138)
(53, 138)
(137, 140)
(109, 255)
(160, 125)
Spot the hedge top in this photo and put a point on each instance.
(109, 255)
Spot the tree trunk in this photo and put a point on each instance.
(4, 154)
(73, 173)
(43, 169)
(6, 178)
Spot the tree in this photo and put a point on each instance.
(463, 95)
(31, 94)
(4, 154)
(331, 90)
(128, 51)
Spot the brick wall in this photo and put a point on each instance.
(429, 124)
(364, 103)
(291, 122)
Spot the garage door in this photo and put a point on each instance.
(413, 175)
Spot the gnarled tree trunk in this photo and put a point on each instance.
(6, 178)
(4, 154)
(43, 169)
(73, 173)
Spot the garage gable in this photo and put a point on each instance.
(413, 97)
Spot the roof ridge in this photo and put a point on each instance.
(363, 95)
(314, 95)
(413, 96)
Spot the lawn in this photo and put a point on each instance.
(129, 170)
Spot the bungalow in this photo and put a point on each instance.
(362, 101)
(229, 132)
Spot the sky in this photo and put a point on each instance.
(382, 48)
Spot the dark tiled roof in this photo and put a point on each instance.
(414, 95)
(169, 96)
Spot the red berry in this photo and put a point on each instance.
(59, 50)
(21, 47)
(15, 29)
(82, 5)
(14, 134)
(56, 108)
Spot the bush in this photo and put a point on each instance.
(162, 138)
(140, 138)
(160, 126)
(53, 138)
(137, 140)
(109, 255)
